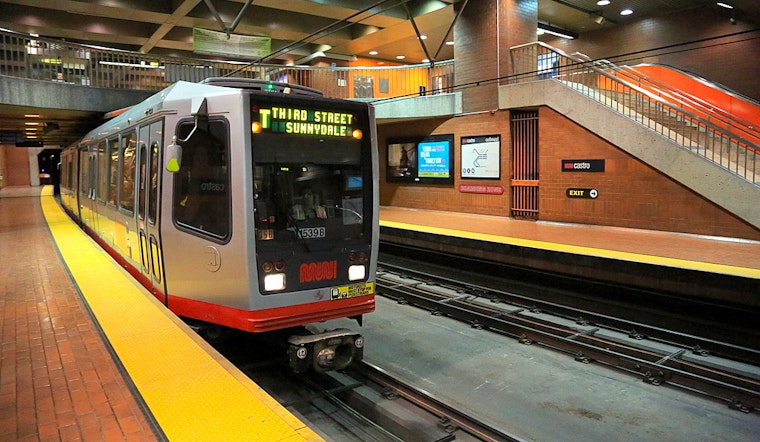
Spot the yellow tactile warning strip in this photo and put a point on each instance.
(192, 391)
(582, 250)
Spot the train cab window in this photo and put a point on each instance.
(304, 196)
(201, 187)
(128, 158)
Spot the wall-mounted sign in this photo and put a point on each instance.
(582, 193)
(583, 165)
(489, 190)
(481, 156)
(219, 43)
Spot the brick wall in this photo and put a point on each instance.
(631, 193)
(448, 197)
(15, 168)
(483, 37)
(721, 52)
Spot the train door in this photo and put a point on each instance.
(151, 257)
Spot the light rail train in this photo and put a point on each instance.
(239, 203)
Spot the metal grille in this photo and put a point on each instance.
(524, 183)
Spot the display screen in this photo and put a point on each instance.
(434, 159)
(301, 121)
(426, 160)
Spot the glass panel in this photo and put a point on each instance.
(201, 196)
(128, 170)
(143, 180)
(153, 200)
(113, 169)
(102, 183)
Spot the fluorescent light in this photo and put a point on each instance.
(725, 5)
(626, 11)
(603, 2)
(557, 32)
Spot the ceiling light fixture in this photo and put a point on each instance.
(603, 2)
(725, 5)
(372, 52)
(626, 11)
(450, 43)
(544, 28)
(400, 57)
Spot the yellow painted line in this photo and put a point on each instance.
(192, 391)
(582, 250)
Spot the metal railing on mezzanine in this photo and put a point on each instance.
(25, 56)
(706, 131)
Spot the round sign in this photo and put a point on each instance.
(593, 193)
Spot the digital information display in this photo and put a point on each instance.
(481, 156)
(306, 122)
(433, 159)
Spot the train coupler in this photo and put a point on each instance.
(331, 350)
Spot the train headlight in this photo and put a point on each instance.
(274, 282)
(357, 272)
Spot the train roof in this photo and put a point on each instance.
(152, 105)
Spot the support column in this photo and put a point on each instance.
(483, 35)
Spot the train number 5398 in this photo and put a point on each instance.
(312, 232)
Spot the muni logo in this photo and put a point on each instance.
(318, 271)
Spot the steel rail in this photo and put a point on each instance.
(656, 368)
(451, 417)
(637, 330)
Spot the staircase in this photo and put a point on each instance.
(707, 149)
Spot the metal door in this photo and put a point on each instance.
(149, 191)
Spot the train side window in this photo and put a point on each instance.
(143, 177)
(113, 169)
(102, 171)
(127, 153)
(153, 200)
(201, 187)
(84, 181)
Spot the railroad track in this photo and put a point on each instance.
(722, 371)
(365, 403)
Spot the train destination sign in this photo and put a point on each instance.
(583, 165)
(306, 122)
(582, 193)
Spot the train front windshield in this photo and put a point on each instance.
(312, 176)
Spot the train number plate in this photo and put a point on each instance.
(312, 232)
(264, 234)
(352, 291)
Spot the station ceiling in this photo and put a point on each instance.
(340, 29)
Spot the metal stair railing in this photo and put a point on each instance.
(686, 100)
(711, 138)
(38, 58)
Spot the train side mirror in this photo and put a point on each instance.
(173, 156)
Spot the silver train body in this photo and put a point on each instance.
(239, 203)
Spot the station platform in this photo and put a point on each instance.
(698, 266)
(87, 354)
